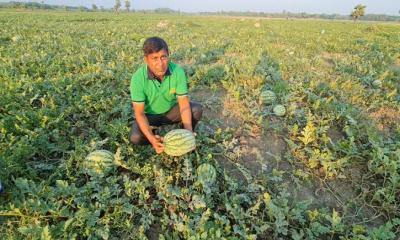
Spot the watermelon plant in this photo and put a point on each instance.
(329, 169)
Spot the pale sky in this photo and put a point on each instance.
(391, 7)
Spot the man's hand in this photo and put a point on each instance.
(142, 121)
(157, 144)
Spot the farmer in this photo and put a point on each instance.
(159, 95)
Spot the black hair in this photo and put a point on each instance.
(154, 44)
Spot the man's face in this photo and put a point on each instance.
(157, 62)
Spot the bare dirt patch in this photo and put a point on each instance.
(330, 58)
(386, 119)
(258, 152)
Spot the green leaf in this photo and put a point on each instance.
(46, 235)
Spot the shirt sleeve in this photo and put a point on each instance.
(182, 85)
(137, 91)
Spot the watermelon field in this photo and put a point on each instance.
(324, 165)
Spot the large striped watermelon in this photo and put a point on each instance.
(206, 173)
(178, 142)
(268, 97)
(99, 162)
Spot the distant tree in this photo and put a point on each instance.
(127, 5)
(358, 12)
(94, 7)
(117, 6)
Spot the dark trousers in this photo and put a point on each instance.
(172, 116)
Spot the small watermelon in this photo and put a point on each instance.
(99, 162)
(198, 202)
(206, 174)
(178, 142)
(279, 110)
(16, 38)
(268, 97)
(377, 83)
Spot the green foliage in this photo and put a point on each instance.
(209, 75)
(64, 93)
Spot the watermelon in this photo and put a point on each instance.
(178, 142)
(99, 162)
(377, 83)
(198, 202)
(268, 97)
(16, 38)
(279, 110)
(206, 173)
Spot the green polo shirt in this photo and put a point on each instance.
(158, 97)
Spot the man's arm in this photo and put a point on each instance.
(144, 126)
(186, 112)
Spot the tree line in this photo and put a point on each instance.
(358, 13)
(44, 6)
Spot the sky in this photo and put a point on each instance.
(391, 7)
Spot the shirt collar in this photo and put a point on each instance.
(152, 76)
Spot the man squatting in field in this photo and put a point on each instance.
(159, 95)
